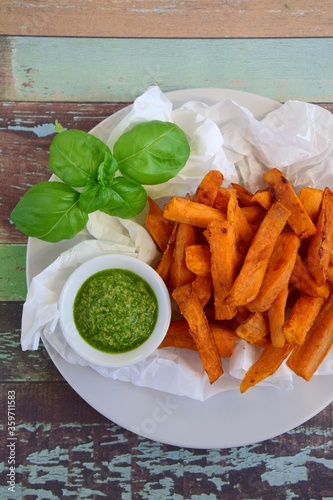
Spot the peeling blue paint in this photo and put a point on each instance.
(40, 130)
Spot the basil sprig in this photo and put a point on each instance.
(149, 153)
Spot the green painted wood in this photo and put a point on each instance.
(12, 272)
(113, 69)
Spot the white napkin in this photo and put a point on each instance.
(297, 138)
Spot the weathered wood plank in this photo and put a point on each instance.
(12, 272)
(66, 448)
(17, 365)
(165, 18)
(117, 70)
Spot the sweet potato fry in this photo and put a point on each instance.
(222, 198)
(164, 265)
(190, 212)
(311, 199)
(243, 194)
(225, 340)
(329, 271)
(179, 273)
(268, 362)
(306, 358)
(321, 244)
(253, 329)
(191, 309)
(300, 278)
(249, 280)
(254, 215)
(208, 188)
(283, 191)
(301, 318)
(159, 228)
(203, 287)
(243, 229)
(224, 263)
(198, 259)
(179, 335)
(276, 317)
(278, 272)
(264, 197)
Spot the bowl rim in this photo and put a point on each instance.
(73, 284)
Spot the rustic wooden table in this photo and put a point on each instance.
(79, 62)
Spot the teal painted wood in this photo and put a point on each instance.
(12, 272)
(111, 69)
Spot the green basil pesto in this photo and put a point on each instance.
(115, 310)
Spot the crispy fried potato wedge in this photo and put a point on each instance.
(276, 317)
(283, 192)
(301, 318)
(164, 265)
(264, 197)
(158, 227)
(250, 278)
(203, 287)
(254, 328)
(191, 212)
(311, 199)
(178, 335)
(222, 199)
(302, 280)
(208, 188)
(329, 271)
(179, 272)
(244, 231)
(254, 214)
(321, 244)
(243, 194)
(306, 358)
(198, 259)
(192, 310)
(278, 272)
(268, 362)
(224, 265)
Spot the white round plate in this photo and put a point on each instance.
(225, 420)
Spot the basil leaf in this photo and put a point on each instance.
(93, 197)
(151, 152)
(75, 157)
(127, 199)
(107, 169)
(49, 211)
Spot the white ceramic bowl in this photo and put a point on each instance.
(72, 286)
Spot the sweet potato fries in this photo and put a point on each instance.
(255, 267)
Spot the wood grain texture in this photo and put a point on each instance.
(79, 62)
(18, 365)
(12, 272)
(166, 18)
(118, 70)
(66, 449)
